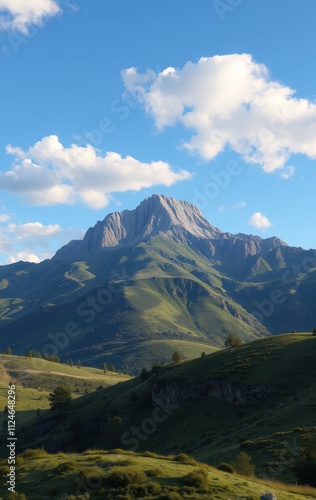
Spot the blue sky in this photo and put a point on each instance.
(106, 102)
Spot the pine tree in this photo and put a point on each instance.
(176, 357)
(104, 367)
(242, 464)
(59, 398)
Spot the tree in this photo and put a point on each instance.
(144, 375)
(111, 367)
(104, 367)
(233, 341)
(79, 363)
(30, 353)
(8, 351)
(314, 331)
(305, 466)
(59, 398)
(176, 357)
(242, 464)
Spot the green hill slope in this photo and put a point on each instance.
(151, 477)
(260, 397)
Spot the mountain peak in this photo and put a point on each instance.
(157, 214)
(163, 215)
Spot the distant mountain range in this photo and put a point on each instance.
(144, 282)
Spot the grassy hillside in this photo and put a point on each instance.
(34, 378)
(271, 429)
(148, 476)
(158, 290)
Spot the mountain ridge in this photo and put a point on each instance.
(157, 214)
(169, 275)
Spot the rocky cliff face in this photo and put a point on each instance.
(174, 392)
(176, 219)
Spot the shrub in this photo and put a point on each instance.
(153, 488)
(151, 454)
(154, 472)
(126, 476)
(185, 459)
(226, 467)
(4, 470)
(197, 478)
(36, 453)
(172, 496)
(67, 466)
(91, 473)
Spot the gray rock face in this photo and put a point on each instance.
(268, 496)
(173, 392)
(167, 216)
(158, 214)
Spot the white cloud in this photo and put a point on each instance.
(259, 221)
(33, 230)
(33, 241)
(222, 208)
(240, 204)
(25, 256)
(18, 15)
(229, 101)
(4, 217)
(48, 173)
(237, 206)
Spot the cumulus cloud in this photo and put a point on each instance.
(49, 173)
(229, 101)
(18, 15)
(33, 241)
(4, 217)
(259, 221)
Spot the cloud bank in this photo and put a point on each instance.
(18, 15)
(32, 241)
(49, 173)
(229, 101)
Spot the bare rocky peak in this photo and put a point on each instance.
(158, 214)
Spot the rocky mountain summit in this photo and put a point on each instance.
(163, 215)
(156, 275)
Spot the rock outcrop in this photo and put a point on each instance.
(174, 392)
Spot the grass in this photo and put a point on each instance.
(42, 475)
(34, 378)
(271, 430)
